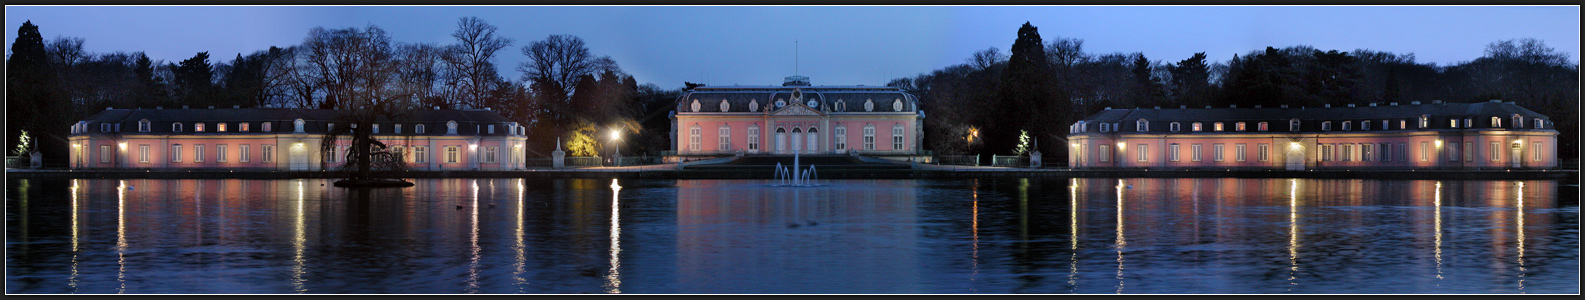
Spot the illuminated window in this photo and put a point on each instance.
(198, 127)
(1425, 121)
(243, 127)
(265, 127)
(1217, 126)
(1452, 123)
(1239, 126)
(1195, 127)
(220, 127)
(1496, 122)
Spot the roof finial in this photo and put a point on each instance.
(795, 57)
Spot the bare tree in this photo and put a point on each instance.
(419, 68)
(554, 64)
(66, 52)
(359, 72)
(472, 59)
(985, 59)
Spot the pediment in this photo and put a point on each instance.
(796, 109)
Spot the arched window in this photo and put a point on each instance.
(724, 136)
(299, 125)
(753, 105)
(143, 125)
(695, 105)
(176, 127)
(753, 135)
(781, 139)
(897, 136)
(869, 136)
(869, 105)
(693, 137)
(842, 105)
(1293, 125)
(1174, 126)
(1496, 122)
(451, 127)
(1425, 121)
(897, 105)
(725, 106)
(1518, 121)
(1142, 125)
(797, 130)
(198, 127)
(814, 140)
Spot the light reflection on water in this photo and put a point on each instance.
(1192, 235)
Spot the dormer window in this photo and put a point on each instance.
(725, 106)
(869, 105)
(1452, 123)
(1496, 122)
(1142, 125)
(1425, 121)
(695, 105)
(418, 128)
(298, 124)
(491, 129)
(1217, 126)
(198, 127)
(143, 125)
(1364, 125)
(1403, 124)
(1518, 121)
(1195, 127)
(104, 127)
(265, 127)
(176, 127)
(1469, 123)
(753, 105)
(1326, 125)
(1262, 126)
(396, 128)
(220, 127)
(1346, 125)
(375, 129)
(1538, 123)
(451, 126)
(243, 126)
(1239, 126)
(1174, 126)
(1293, 125)
(1104, 125)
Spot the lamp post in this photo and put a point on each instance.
(615, 136)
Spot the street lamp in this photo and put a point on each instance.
(616, 135)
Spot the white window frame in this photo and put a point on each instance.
(198, 153)
(1174, 126)
(724, 137)
(420, 154)
(264, 127)
(198, 127)
(242, 153)
(1216, 152)
(897, 136)
(1143, 150)
(1172, 152)
(1196, 127)
(753, 137)
(418, 128)
(1142, 125)
(143, 153)
(453, 154)
(1263, 151)
(220, 127)
(176, 127)
(693, 137)
(1196, 152)
(1106, 153)
(489, 155)
(176, 153)
(1239, 150)
(1496, 150)
(869, 137)
(1239, 126)
(1425, 151)
(268, 153)
(144, 125)
(1535, 149)
(1293, 125)
(105, 153)
(1217, 126)
(451, 127)
(220, 153)
(842, 136)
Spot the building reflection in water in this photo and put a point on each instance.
(863, 231)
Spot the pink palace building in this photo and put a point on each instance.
(286, 139)
(730, 120)
(1488, 135)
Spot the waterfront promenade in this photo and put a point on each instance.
(920, 171)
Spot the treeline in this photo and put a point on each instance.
(983, 105)
(566, 91)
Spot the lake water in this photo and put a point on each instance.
(572, 236)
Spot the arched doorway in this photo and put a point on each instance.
(781, 140)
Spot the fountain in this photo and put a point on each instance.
(794, 176)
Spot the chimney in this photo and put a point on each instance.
(1395, 104)
(1108, 108)
(1158, 107)
(1284, 106)
(1492, 100)
(1183, 106)
(184, 107)
(158, 107)
(236, 106)
(1436, 101)
(1328, 106)
(1233, 106)
(1350, 105)
(211, 107)
(1414, 102)
(1257, 106)
(1373, 104)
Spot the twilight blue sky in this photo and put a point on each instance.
(837, 45)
